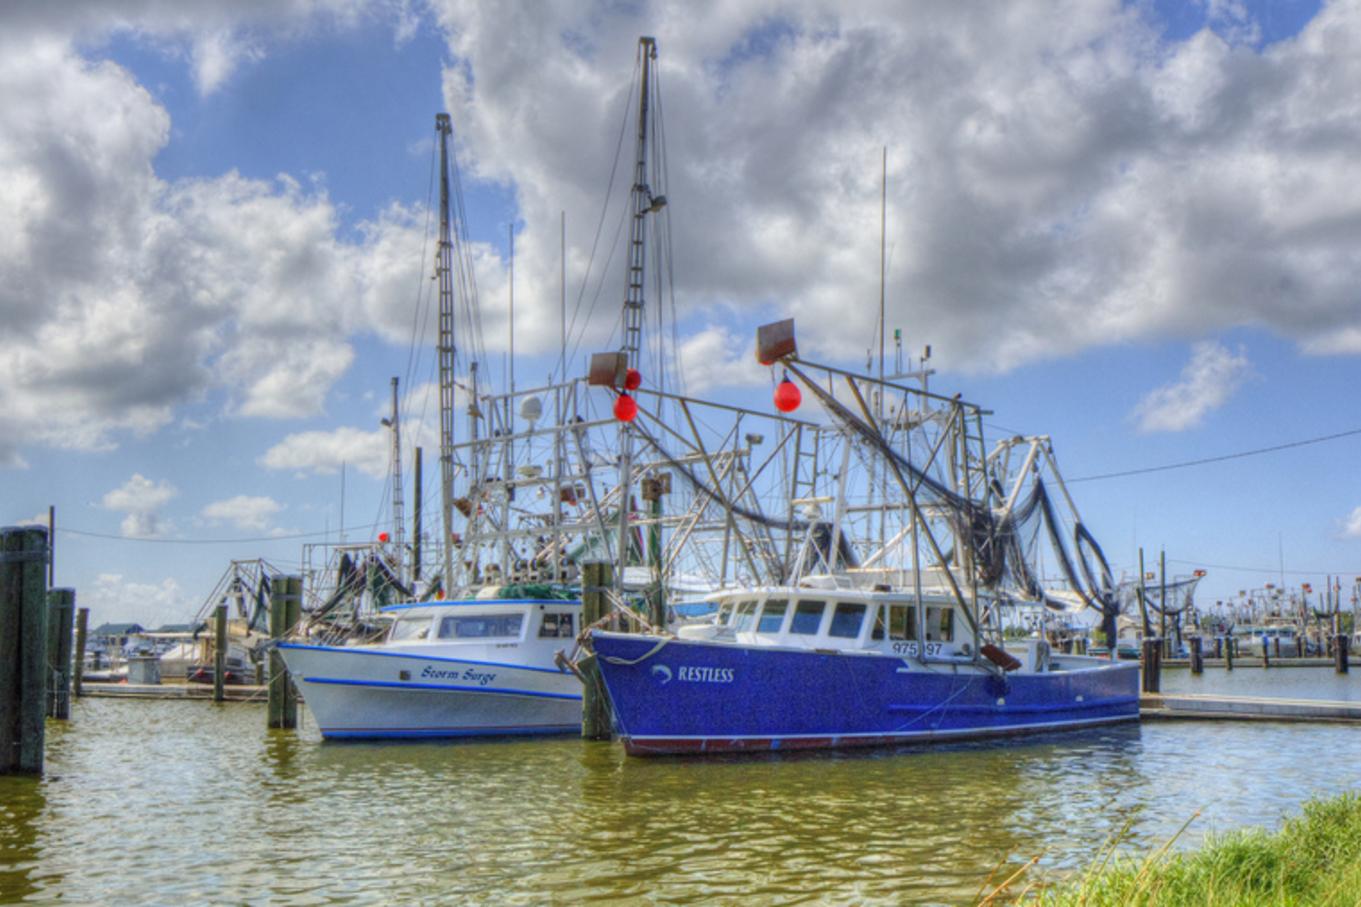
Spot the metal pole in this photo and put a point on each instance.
(416, 525)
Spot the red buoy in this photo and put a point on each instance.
(625, 408)
(787, 396)
(383, 537)
(633, 379)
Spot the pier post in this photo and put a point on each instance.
(1219, 647)
(23, 648)
(61, 606)
(1340, 645)
(78, 666)
(1197, 656)
(1228, 653)
(284, 610)
(595, 707)
(219, 653)
(1152, 665)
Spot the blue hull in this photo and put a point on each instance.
(690, 696)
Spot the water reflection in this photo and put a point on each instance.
(213, 807)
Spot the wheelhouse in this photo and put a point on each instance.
(483, 622)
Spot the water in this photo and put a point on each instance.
(189, 802)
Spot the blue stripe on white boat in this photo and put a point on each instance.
(406, 685)
(352, 650)
(471, 602)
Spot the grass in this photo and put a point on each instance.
(1314, 859)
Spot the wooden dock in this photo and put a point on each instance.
(233, 692)
(1198, 706)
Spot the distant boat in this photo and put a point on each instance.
(478, 667)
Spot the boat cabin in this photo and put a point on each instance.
(495, 622)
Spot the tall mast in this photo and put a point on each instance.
(398, 503)
(444, 273)
(644, 203)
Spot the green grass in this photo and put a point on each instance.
(1314, 859)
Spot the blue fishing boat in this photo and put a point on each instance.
(807, 667)
(886, 623)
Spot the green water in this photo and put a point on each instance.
(190, 802)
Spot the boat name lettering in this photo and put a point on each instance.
(694, 674)
(470, 675)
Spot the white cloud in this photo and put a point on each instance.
(1351, 527)
(140, 500)
(1207, 382)
(324, 452)
(115, 598)
(252, 512)
(716, 358)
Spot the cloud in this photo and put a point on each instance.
(250, 512)
(1058, 177)
(1351, 527)
(115, 598)
(140, 500)
(324, 452)
(714, 357)
(1207, 382)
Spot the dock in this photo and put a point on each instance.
(233, 692)
(1198, 706)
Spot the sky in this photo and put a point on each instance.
(1132, 226)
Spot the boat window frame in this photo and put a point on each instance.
(746, 609)
(832, 631)
(558, 625)
(944, 631)
(422, 635)
(766, 605)
(455, 619)
(821, 604)
(884, 630)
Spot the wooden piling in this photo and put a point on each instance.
(1197, 656)
(1219, 647)
(1340, 646)
(1152, 665)
(1228, 653)
(78, 665)
(23, 648)
(596, 579)
(1266, 652)
(285, 608)
(220, 653)
(61, 608)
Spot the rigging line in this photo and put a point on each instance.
(1270, 571)
(1232, 456)
(604, 209)
(417, 324)
(236, 541)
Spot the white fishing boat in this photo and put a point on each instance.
(479, 667)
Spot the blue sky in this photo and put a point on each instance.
(1131, 227)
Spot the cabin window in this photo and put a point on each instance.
(410, 628)
(807, 617)
(940, 624)
(724, 615)
(742, 619)
(846, 620)
(900, 622)
(555, 626)
(772, 616)
(480, 626)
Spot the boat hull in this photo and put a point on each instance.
(688, 696)
(365, 693)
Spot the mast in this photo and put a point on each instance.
(398, 502)
(644, 203)
(445, 347)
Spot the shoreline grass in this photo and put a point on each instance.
(1312, 859)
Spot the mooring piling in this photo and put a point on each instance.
(1197, 656)
(1228, 653)
(61, 607)
(1340, 646)
(220, 653)
(78, 665)
(1152, 665)
(285, 609)
(596, 579)
(23, 648)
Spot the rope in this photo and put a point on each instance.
(626, 662)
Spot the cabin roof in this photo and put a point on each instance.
(481, 603)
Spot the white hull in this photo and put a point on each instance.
(374, 692)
